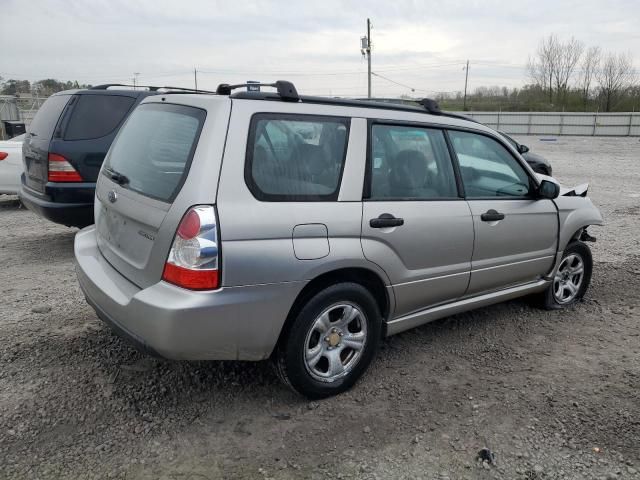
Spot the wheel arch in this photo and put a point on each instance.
(368, 278)
(575, 216)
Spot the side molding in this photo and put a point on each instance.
(416, 319)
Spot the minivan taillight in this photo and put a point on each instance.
(60, 170)
(194, 261)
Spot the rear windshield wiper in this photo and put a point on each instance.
(117, 177)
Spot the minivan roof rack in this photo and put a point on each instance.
(151, 88)
(105, 86)
(286, 90)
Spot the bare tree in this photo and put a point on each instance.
(554, 64)
(567, 57)
(543, 66)
(589, 67)
(614, 76)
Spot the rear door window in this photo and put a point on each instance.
(410, 163)
(95, 116)
(296, 157)
(47, 117)
(153, 151)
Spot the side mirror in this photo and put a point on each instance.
(548, 189)
(523, 149)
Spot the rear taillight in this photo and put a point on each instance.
(193, 261)
(3, 155)
(60, 170)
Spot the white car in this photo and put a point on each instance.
(10, 165)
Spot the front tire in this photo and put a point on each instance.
(331, 341)
(572, 278)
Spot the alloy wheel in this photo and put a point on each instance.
(568, 278)
(335, 342)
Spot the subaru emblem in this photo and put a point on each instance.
(112, 196)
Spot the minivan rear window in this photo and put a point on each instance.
(47, 117)
(95, 116)
(154, 148)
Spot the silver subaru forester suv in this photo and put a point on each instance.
(253, 225)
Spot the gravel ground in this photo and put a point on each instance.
(552, 394)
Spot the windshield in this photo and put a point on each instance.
(152, 152)
(513, 143)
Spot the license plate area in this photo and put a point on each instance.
(110, 226)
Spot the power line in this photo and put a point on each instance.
(413, 89)
(393, 81)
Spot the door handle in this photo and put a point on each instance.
(386, 220)
(492, 216)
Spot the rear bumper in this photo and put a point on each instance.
(232, 323)
(67, 204)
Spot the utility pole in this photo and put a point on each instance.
(135, 79)
(369, 58)
(195, 78)
(466, 79)
(365, 49)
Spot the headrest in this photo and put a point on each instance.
(408, 170)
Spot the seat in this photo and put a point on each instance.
(410, 177)
(312, 167)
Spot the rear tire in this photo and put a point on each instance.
(331, 341)
(571, 280)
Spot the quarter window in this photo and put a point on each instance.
(95, 116)
(296, 157)
(410, 163)
(487, 168)
(47, 116)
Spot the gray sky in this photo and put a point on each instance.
(421, 44)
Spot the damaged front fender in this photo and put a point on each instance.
(575, 212)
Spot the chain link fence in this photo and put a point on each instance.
(18, 108)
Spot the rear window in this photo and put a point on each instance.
(95, 116)
(155, 147)
(47, 117)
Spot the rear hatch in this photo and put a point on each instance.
(138, 194)
(79, 127)
(35, 149)
(88, 126)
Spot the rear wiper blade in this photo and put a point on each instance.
(117, 177)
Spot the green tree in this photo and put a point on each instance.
(15, 87)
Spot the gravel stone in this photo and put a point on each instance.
(77, 402)
(41, 309)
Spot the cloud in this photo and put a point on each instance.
(417, 43)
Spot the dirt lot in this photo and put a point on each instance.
(553, 394)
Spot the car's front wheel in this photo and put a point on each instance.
(571, 279)
(330, 342)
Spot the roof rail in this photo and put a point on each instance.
(417, 107)
(107, 85)
(186, 90)
(152, 88)
(286, 90)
